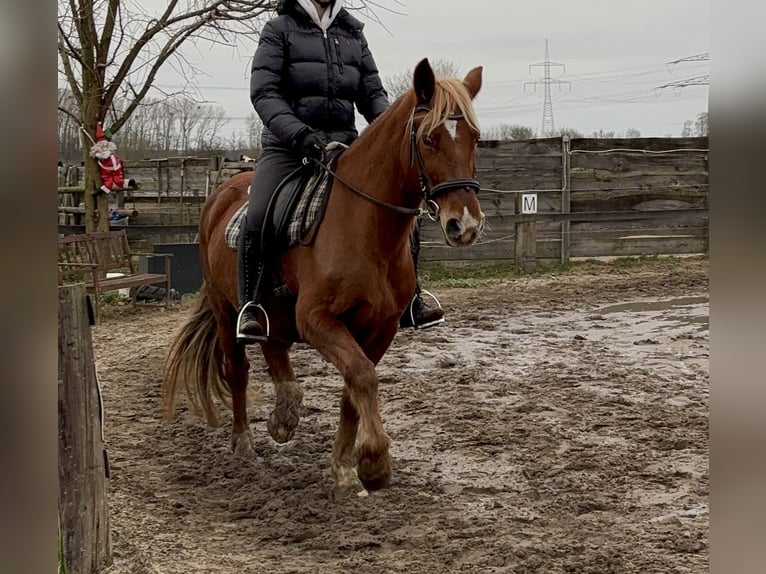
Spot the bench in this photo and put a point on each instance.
(90, 256)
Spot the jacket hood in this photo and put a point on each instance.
(344, 17)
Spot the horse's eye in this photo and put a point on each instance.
(428, 141)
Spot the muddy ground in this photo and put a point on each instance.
(554, 424)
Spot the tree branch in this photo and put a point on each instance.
(71, 115)
(69, 71)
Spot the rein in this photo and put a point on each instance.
(427, 189)
(374, 200)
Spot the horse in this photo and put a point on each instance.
(349, 286)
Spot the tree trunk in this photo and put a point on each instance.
(96, 207)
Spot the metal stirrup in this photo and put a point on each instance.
(260, 308)
(412, 311)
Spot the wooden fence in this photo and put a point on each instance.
(594, 198)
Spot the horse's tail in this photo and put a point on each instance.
(196, 359)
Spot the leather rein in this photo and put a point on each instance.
(427, 189)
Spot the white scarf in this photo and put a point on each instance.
(329, 14)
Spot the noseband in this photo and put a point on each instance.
(427, 188)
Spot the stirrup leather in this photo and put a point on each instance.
(246, 337)
(412, 311)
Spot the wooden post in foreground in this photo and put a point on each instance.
(525, 244)
(82, 504)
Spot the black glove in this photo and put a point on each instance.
(312, 146)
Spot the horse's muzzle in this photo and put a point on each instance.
(463, 231)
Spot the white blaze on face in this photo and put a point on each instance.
(451, 126)
(468, 221)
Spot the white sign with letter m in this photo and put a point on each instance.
(528, 203)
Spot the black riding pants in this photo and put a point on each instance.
(272, 168)
(415, 242)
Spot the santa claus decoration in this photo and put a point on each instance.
(109, 164)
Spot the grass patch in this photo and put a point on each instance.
(479, 273)
(465, 275)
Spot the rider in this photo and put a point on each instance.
(311, 67)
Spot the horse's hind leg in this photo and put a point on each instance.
(284, 418)
(235, 370)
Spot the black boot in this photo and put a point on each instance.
(419, 314)
(249, 329)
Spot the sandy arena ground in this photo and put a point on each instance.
(555, 424)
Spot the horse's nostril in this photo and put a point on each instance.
(453, 228)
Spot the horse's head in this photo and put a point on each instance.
(444, 132)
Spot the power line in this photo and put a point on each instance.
(548, 124)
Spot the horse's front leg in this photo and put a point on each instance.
(360, 410)
(343, 454)
(284, 418)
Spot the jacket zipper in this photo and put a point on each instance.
(328, 106)
(337, 53)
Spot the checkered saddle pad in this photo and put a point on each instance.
(290, 218)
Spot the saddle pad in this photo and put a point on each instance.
(232, 229)
(306, 212)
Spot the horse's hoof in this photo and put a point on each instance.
(347, 484)
(282, 423)
(374, 469)
(242, 445)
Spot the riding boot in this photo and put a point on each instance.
(419, 314)
(249, 329)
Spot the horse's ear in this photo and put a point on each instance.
(472, 81)
(424, 82)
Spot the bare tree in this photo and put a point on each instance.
(254, 130)
(603, 134)
(701, 125)
(509, 132)
(397, 84)
(686, 131)
(135, 135)
(189, 114)
(163, 126)
(68, 131)
(632, 133)
(571, 132)
(209, 126)
(113, 49)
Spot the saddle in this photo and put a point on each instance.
(293, 216)
(296, 208)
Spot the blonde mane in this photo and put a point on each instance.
(451, 97)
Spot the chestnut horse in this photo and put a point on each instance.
(350, 285)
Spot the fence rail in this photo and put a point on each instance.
(594, 197)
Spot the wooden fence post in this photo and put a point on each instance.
(83, 509)
(525, 244)
(566, 201)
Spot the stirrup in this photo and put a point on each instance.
(412, 312)
(247, 338)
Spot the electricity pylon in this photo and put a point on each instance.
(548, 124)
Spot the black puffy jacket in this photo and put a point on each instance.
(303, 80)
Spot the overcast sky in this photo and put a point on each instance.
(616, 54)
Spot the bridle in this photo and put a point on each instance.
(427, 189)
